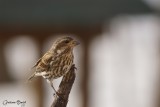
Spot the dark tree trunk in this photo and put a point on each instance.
(64, 89)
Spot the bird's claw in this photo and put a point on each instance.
(59, 95)
(75, 68)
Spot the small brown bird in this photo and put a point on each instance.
(57, 61)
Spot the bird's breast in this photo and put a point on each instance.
(62, 65)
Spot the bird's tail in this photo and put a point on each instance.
(31, 77)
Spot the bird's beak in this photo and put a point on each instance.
(75, 43)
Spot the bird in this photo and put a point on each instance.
(56, 62)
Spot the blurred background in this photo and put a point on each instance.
(118, 60)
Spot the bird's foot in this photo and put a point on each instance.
(59, 95)
(74, 67)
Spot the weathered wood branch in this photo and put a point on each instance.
(64, 89)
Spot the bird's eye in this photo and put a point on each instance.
(67, 41)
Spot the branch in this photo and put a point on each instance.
(64, 89)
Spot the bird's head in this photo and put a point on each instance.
(64, 43)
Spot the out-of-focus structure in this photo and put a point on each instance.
(118, 60)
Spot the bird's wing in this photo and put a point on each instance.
(45, 61)
(42, 63)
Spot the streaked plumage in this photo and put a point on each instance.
(57, 61)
